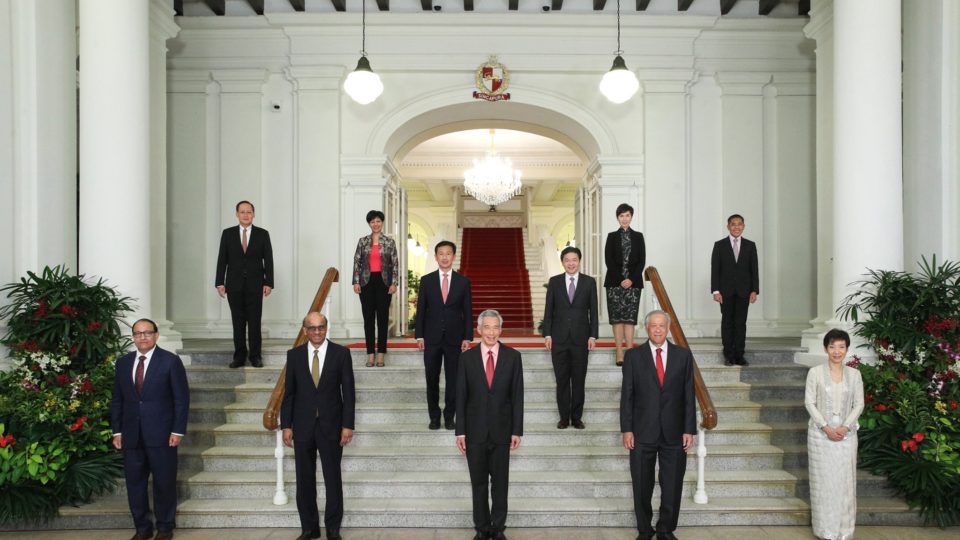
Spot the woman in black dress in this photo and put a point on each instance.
(625, 255)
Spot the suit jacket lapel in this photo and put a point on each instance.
(325, 370)
(150, 374)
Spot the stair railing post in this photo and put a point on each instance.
(700, 497)
(280, 496)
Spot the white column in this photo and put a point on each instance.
(868, 209)
(115, 214)
(820, 28)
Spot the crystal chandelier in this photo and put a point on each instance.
(492, 180)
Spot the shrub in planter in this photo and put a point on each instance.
(910, 427)
(63, 334)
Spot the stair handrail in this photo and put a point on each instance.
(707, 411)
(271, 414)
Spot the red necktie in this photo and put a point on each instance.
(445, 288)
(138, 377)
(244, 240)
(660, 366)
(489, 369)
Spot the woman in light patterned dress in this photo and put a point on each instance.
(834, 400)
(625, 255)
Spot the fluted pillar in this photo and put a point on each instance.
(115, 213)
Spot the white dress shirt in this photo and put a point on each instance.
(663, 355)
(322, 354)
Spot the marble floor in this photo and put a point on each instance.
(683, 533)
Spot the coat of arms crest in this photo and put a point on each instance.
(492, 81)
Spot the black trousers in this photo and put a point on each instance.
(570, 370)
(305, 456)
(434, 358)
(673, 465)
(139, 464)
(246, 308)
(375, 305)
(733, 325)
(489, 466)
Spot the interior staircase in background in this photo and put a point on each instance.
(494, 260)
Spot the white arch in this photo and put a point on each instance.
(530, 109)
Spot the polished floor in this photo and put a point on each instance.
(683, 533)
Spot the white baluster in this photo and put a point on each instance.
(280, 497)
(700, 497)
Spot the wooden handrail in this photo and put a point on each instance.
(707, 410)
(272, 412)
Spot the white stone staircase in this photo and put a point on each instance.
(397, 473)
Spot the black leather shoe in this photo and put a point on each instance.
(727, 361)
(142, 535)
(499, 536)
(256, 362)
(742, 361)
(164, 535)
(334, 534)
(578, 424)
(480, 536)
(237, 362)
(563, 424)
(434, 424)
(306, 535)
(666, 536)
(645, 536)
(450, 424)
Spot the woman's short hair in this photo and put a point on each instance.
(624, 207)
(374, 214)
(836, 335)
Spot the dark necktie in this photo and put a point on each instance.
(315, 368)
(660, 366)
(736, 249)
(138, 377)
(489, 369)
(243, 242)
(571, 290)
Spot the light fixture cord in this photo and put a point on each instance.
(619, 50)
(363, 31)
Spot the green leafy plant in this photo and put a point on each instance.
(910, 428)
(63, 335)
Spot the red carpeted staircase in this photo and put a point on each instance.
(493, 260)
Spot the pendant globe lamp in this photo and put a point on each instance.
(363, 85)
(619, 84)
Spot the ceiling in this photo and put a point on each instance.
(734, 8)
(431, 170)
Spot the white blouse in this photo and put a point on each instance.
(826, 400)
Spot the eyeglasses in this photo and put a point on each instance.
(314, 328)
(147, 333)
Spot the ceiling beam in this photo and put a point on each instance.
(468, 5)
(804, 8)
(339, 5)
(218, 7)
(383, 5)
(257, 6)
(726, 6)
(598, 5)
(683, 5)
(514, 5)
(298, 5)
(766, 6)
(426, 5)
(178, 8)
(642, 5)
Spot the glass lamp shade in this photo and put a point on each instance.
(363, 85)
(619, 84)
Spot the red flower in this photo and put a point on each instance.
(86, 386)
(854, 362)
(78, 424)
(94, 326)
(35, 367)
(880, 407)
(950, 374)
(953, 405)
(73, 350)
(868, 398)
(884, 343)
(28, 346)
(63, 379)
(908, 445)
(7, 440)
(901, 376)
(41, 310)
(68, 310)
(918, 437)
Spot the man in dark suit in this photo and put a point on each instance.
(317, 417)
(570, 330)
(735, 282)
(245, 277)
(148, 416)
(489, 421)
(444, 328)
(658, 418)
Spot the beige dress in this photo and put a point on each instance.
(833, 464)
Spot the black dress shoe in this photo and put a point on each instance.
(563, 424)
(499, 536)
(450, 424)
(578, 424)
(666, 536)
(334, 534)
(142, 535)
(645, 536)
(434, 424)
(727, 361)
(256, 362)
(480, 536)
(742, 361)
(164, 535)
(237, 362)
(306, 535)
